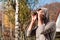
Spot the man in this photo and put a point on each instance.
(45, 30)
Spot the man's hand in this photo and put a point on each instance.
(34, 17)
(40, 17)
(40, 14)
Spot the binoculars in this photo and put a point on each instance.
(34, 12)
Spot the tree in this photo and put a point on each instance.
(9, 12)
(24, 17)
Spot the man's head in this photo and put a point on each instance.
(43, 12)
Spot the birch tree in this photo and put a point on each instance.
(16, 22)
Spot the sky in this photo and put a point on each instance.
(40, 3)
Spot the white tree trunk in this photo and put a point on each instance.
(16, 22)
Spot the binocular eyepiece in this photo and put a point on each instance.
(34, 12)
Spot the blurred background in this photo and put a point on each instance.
(7, 17)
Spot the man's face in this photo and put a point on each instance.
(41, 14)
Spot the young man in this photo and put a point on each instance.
(45, 30)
